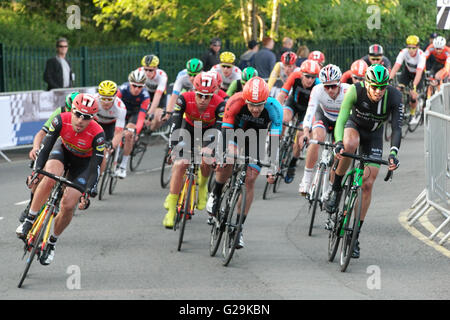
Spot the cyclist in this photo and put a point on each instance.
(203, 106)
(136, 99)
(111, 114)
(184, 81)
(376, 56)
(76, 142)
(320, 119)
(227, 69)
(441, 53)
(301, 82)
(283, 68)
(156, 85)
(366, 107)
(238, 85)
(415, 61)
(251, 109)
(40, 136)
(356, 72)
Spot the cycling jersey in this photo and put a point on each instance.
(412, 64)
(347, 77)
(116, 113)
(136, 105)
(235, 86)
(442, 58)
(370, 116)
(300, 95)
(182, 82)
(279, 72)
(329, 106)
(90, 143)
(158, 82)
(47, 124)
(226, 81)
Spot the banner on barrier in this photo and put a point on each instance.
(22, 114)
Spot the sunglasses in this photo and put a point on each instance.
(381, 88)
(375, 58)
(255, 105)
(82, 115)
(137, 86)
(192, 74)
(149, 70)
(309, 76)
(358, 78)
(63, 46)
(204, 96)
(331, 86)
(226, 66)
(106, 99)
(412, 48)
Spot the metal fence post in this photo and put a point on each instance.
(84, 66)
(2, 68)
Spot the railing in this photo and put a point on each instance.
(437, 162)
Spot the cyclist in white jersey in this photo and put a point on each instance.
(415, 61)
(323, 109)
(184, 81)
(228, 71)
(156, 84)
(111, 114)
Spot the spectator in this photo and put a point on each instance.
(247, 58)
(211, 57)
(58, 71)
(302, 55)
(265, 59)
(287, 44)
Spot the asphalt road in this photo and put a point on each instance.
(118, 249)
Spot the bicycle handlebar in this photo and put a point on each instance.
(287, 124)
(61, 179)
(327, 145)
(371, 160)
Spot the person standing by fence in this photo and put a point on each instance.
(58, 71)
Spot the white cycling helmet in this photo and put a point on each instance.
(439, 42)
(137, 76)
(330, 73)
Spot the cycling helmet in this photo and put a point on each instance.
(137, 76)
(288, 58)
(216, 76)
(248, 73)
(377, 75)
(85, 103)
(310, 67)
(376, 50)
(194, 66)
(150, 60)
(107, 88)
(439, 42)
(317, 56)
(205, 82)
(69, 99)
(255, 91)
(359, 68)
(412, 40)
(330, 73)
(227, 57)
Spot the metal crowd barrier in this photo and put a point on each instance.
(436, 195)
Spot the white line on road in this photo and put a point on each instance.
(21, 202)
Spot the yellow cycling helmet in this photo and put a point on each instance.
(227, 57)
(412, 40)
(107, 88)
(150, 60)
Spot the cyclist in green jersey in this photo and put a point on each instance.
(238, 85)
(366, 107)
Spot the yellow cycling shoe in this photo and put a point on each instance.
(202, 197)
(169, 219)
(171, 199)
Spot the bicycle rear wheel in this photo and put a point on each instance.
(105, 177)
(166, 170)
(318, 179)
(233, 229)
(137, 154)
(185, 211)
(351, 228)
(113, 180)
(35, 246)
(219, 222)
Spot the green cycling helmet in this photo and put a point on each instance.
(69, 99)
(248, 73)
(377, 75)
(194, 66)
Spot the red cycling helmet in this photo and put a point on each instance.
(85, 103)
(288, 58)
(310, 67)
(317, 56)
(255, 91)
(205, 82)
(217, 76)
(359, 68)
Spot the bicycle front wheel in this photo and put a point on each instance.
(351, 228)
(105, 177)
(316, 196)
(234, 224)
(418, 115)
(166, 170)
(219, 222)
(137, 154)
(185, 212)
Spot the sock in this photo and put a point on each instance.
(202, 180)
(293, 162)
(307, 175)
(124, 161)
(52, 239)
(218, 188)
(337, 182)
(31, 216)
